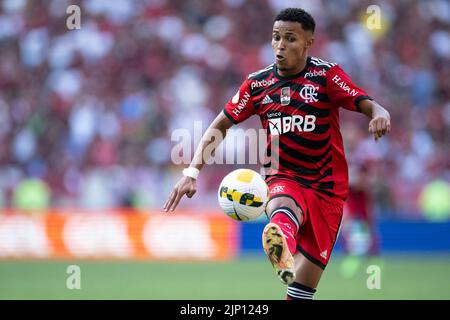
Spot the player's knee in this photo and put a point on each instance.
(286, 215)
(297, 291)
(280, 203)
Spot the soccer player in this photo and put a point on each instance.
(297, 99)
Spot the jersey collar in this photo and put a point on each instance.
(299, 74)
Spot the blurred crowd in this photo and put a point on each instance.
(87, 115)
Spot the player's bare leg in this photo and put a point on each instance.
(279, 236)
(306, 272)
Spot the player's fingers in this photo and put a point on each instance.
(172, 199)
(379, 126)
(168, 200)
(375, 136)
(177, 200)
(371, 127)
(191, 193)
(387, 126)
(382, 131)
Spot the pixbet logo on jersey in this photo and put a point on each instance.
(262, 83)
(315, 73)
(286, 124)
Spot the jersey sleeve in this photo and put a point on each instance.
(342, 91)
(240, 107)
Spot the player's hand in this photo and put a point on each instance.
(379, 126)
(185, 186)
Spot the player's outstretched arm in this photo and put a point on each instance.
(187, 185)
(381, 119)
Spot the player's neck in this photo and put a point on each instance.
(290, 72)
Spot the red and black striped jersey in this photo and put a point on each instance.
(301, 116)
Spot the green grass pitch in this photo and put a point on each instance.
(402, 277)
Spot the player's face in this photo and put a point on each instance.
(290, 44)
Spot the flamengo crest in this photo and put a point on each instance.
(308, 93)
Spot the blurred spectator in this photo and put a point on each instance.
(90, 112)
(31, 194)
(435, 200)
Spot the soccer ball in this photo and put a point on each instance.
(243, 195)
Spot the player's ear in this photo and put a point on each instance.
(309, 42)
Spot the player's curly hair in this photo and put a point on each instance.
(297, 15)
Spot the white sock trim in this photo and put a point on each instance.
(288, 213)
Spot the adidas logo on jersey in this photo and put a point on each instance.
(324, 254)
(267, 100)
